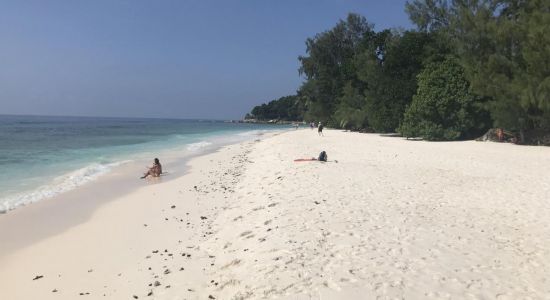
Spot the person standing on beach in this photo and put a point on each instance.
(320, 129)
(155, 170)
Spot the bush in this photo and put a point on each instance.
(443, 107)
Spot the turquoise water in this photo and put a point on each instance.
(43, 156)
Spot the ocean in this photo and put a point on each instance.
(41, 157)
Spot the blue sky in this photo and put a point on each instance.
(176, 59)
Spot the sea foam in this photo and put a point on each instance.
(198, 146)
(58, 185)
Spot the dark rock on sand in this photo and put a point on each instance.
(38, 277)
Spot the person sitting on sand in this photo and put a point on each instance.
(155, 170)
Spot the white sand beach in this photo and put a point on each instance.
(385, 218)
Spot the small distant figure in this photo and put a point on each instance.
(154, 171)
(500, 134)
(320, 129)
(312, 125)
(295, 125)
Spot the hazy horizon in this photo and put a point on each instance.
(181, 60)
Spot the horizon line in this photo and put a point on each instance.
(116, 117)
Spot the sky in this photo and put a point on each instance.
(164, 59)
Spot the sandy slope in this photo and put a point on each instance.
(391, 219)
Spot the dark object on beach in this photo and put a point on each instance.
(54, 291)
(38, 277)
(173, 206)
(203, 218)
(157, 283)
(155, 170)
(135, 297)
(323, 156)
(211, 297)
(150, 293)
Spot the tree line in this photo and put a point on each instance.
(468, 66)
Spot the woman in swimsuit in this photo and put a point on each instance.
(155, 170)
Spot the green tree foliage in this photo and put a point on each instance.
(287, 108)
(389, 73)
(357, 78)
(329, 65)
(429, 15)
(505, 47)
(351, 113)
(443, 108)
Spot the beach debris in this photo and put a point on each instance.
(203, 218)
(90, 270)
(157, 283)
(135, 297)
(83, 294)
(54, 291)
(173, 206)
(316, 202)
(211, 297)
(150, 293)
(167, 271)
(38, 277)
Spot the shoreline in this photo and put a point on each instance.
(391, 218)
(47, 217)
